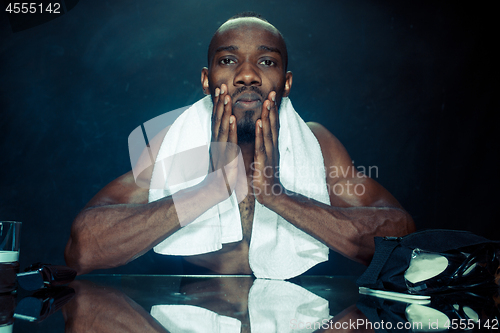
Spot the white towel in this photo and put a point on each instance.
(278, 250)
(273, 306)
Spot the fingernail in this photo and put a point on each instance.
(269, 106)
(231, 120)
(260, 124)
(221, 90)
(217, 92)
(226, 100)
(274, 96)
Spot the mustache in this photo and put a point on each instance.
(250, 88)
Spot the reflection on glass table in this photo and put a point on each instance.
(205, 304)
(133, 303)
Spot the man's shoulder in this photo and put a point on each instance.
(326, 139)
(334, 152)
(320, 131)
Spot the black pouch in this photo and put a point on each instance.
(451, 312)
(461, 260)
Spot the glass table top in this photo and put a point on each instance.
(173, 303)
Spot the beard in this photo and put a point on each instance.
(246, 129)
(246, 126)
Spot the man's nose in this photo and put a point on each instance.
(247, 75)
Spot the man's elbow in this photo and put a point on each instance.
(408, 224)
(396, 223)
(84, 254)
(79, 253)
(76, 257)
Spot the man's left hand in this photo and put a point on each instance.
(266, 184)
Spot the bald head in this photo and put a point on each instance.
(257, 27)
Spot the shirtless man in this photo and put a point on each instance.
(247, 57)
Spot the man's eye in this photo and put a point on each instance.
(226, 61)
(268, 63)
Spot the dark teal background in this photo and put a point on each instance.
(407, 86)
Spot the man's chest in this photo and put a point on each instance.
(247, 208)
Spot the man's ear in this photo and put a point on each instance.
(204, 81)
(288, 83)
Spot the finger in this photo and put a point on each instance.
(274, 118)
(216, 97)
(232, 143)
(233, 133)
(260, 149)
(266, 129)
(215, 120)
(216, 101)
(224, 123)
(217, 112)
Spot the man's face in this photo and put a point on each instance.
(247, 56)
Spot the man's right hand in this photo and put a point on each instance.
(225, 157)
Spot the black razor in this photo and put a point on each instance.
(40, 275)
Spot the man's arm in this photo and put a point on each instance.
(349, 225)
(360, 207)
(119, 225)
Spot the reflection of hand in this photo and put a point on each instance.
(266, 184)
(224, 150)
(223, 295)
(103, 309)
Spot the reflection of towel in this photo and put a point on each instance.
(273, 306)
(278, 250)
(188, 318)
(280, 306)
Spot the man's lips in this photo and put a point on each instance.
(248, 99)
